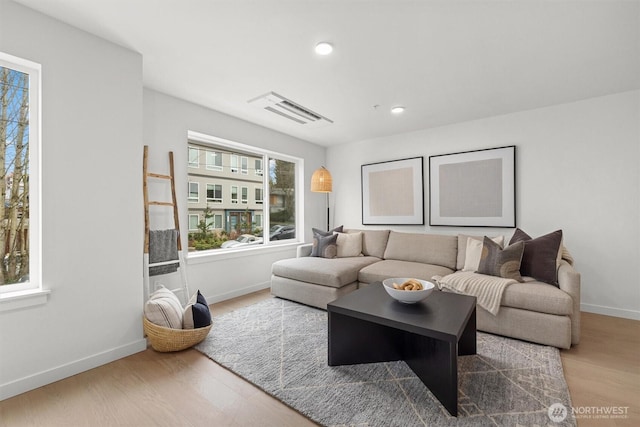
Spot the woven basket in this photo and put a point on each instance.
(166, 339)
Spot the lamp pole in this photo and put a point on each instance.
(328, 212)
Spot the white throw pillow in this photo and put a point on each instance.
(349, 244)
(164, 309)
(473, 254)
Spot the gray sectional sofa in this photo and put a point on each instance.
(533, 311)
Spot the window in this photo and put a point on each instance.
(217, 221)
(194, 157)
(214, 193)
(234, 194)
(214, 160)
(273, 178)
(234, 163)
(19, 178)
(244, 165)
(194, 192)
(194, 220)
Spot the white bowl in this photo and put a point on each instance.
(407, 297)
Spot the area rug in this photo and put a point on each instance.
(281, 347)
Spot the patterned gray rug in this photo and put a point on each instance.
(281, 347)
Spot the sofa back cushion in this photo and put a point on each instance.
(374, 242)
(425, 248)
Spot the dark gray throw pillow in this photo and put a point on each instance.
(325, 246)
(540, 258)
(496, 261)
(327, 233)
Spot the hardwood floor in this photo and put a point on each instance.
(188, 389)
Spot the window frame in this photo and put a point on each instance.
(195, 164)
(215, 199)
(267, 155)
(235, 199)
(213, 166)
(197, 217)
(244, 165)
(234, 163)
(197, 198)
(31, 292)
(244, 195)
(258, 168)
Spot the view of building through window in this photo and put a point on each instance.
(231, 196)
(14, 177)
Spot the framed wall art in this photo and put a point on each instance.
(393, 192)
(473, 188)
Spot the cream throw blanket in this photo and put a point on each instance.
(487, 289)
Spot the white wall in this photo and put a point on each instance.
(166, 123)
(577, 169)
(91, 201)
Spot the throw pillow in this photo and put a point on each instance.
(541, 255)
(474, 251)
(462, 247)
(349, 244)
(499, 262)
(319, 246)
(327, 233)
(164, 309)
(196, 313)
(324, 246)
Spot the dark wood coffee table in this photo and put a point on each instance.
(368, 326)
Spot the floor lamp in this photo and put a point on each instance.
(321, 182)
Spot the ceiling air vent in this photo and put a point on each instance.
(288, 109)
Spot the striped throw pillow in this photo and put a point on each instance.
(164, 309)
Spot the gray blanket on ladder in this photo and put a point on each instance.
(163, 246)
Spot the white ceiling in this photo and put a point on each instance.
(446, 61)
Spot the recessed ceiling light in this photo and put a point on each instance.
(324, 48)
(397, 109)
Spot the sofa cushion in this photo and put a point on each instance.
(425, 248)
(462, 247)
(335, 272)
(349, 244)
(395, 268)
(541, 256)
(374, 242)
(499, 262)
(538, 296)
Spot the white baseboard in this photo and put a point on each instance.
(237, 292)
(610, 311)
(49, 376)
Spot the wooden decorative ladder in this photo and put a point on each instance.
(184, 288)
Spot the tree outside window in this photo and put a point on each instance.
(14, 177)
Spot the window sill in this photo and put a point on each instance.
(22, 299)
(200, 257)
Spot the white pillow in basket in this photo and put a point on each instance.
(164, 309)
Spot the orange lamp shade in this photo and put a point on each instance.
(321, 181)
